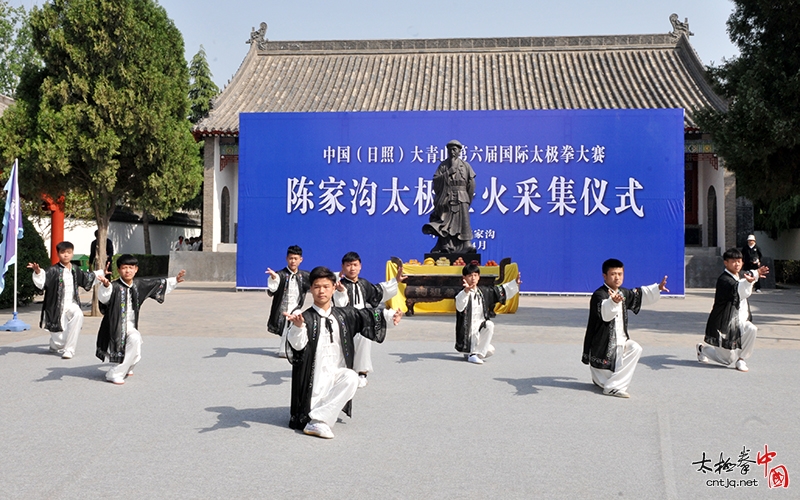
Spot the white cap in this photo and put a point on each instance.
(751, 238)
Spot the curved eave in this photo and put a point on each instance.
(633, 72)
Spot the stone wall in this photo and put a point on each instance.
(204, 266)
(703, 266)
(786, 247)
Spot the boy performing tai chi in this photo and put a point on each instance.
(118, 339)
(362, 294)
(288, 288)
(729, 330)
(607, 347)
(61, 309)
(320, 341)
(475, 310)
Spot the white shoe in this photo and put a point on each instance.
(319, 429)
(116, 381)
(282, 354)
(742, 366)
(474, 358)
(618, 393)
(489, 351)
(362, 381)
(700, 356)
(66, 355)
(130, 373)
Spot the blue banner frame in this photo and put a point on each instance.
(557, 191)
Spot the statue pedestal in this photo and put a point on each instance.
(452, 257)
(439, 283)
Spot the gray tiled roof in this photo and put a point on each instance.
(616, 72)
(5, 102)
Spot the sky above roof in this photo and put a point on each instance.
(222, 28)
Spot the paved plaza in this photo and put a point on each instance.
(206, 413)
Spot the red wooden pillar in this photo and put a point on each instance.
(56, 224)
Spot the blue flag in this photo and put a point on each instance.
(12, 225)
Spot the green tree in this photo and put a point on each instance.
(202, 89)
(758, 135)
(16, 49)
(106, 114)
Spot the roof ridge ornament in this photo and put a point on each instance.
(679, 28)
(258, 36)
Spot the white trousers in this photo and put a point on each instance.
(71, 321)
(481, 341)
(133, 353)
(362, 360)
(341, 389)
(282, 341)
(727, 356)
(627, 357)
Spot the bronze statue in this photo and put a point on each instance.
(454, 187)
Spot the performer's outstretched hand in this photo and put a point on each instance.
(663, 285)
(340, 286)
(102, 279)
(296, 319)
(762, 271)
(466, 286)
(34, 266)
(398, 313)
(519, 278)
(616, 296)
(272, 274)
(180, 275)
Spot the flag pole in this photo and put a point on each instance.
(16, 231)
(16, 266)
(15, 324)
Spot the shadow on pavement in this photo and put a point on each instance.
(91, 372)
(412, 357)
(528, 386)
(221, 352)
(230, 418)
(27, 349)
(273, 378)
(668, 362)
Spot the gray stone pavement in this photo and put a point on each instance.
(205, 414)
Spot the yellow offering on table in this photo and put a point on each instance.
(447, 305)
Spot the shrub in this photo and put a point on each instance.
(31, 249)
(787, 271)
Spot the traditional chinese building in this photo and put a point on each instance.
(521, 73)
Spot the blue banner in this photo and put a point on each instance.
(558, 192)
